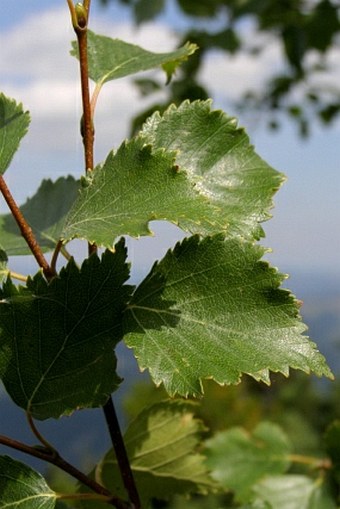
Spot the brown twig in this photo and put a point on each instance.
(55, 459)
(26, 230)
(121, 454)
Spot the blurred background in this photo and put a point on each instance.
(273, 64)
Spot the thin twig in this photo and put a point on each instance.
(26, 230)
(121, 454)
(55, 459)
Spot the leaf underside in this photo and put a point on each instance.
(57, 339)
(221, 185)
(162, 446)
(45, 213)
(229, 317)
(14, 124)
(110, 59)
(23, 488)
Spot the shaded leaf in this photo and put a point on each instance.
(232, 318)
(238, 460)
(21, 487)
(162, 447)
(219, 159)
(14, 123)
(57, 338)
(295, 492)
(144, 10)
(133, 187)
(110, 59)
(44, 212)
(332, 443)
(3, 265)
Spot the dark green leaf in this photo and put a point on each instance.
(238, 460)
(110, 59)
(332, 443)
(295, 492)
(162, 445)
(44, 212)
(23, 488)
(229, 318)
(133, 187)
(221, 162)
(14, 123)
(57, 339)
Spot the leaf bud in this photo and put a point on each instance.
(81, 15)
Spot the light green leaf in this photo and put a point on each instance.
(14, 123)
(45, 213)
(229, 318)
(295, 492)
(134, 186)
(219, 159)
(21, 487)
(237, 460)
(162, 445)
(3, 265)
(57, 338)
(110, 59)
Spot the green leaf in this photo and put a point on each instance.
(23, 488)
(230, 318)
(14, 123)
(57, 338)
(162, 445)
(45, 213)
(295, 492)
(110, 59)
(144, 10)
(3, 265)
(332, 443)
(219, 159)
(238, 460)
(133, 187)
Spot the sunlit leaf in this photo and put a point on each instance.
(220, 160)
(110, 59)
(57, 339)
(229, 317)
(21, 487)
(237, 460)
(3, 265)
(133, 187)
(14, 123)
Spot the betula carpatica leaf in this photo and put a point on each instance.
(229, 317)
(14, 122)
(57, 339)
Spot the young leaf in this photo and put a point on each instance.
(134, 186)
(162, 446)
(217, 154)
(57, 338)
(21, 487)
(295, 492)
(238, 460)
(232, 318)
(45, 213)
(14, 123)
(110, 59)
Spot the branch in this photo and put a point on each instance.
(121, 454)
(26, 230)
(55, 459)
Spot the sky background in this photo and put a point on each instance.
(36, 69)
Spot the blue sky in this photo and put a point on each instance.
(35, 68)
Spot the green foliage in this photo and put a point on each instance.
(210, 309)
(57, 338)
(14, 123)
(21, 487)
